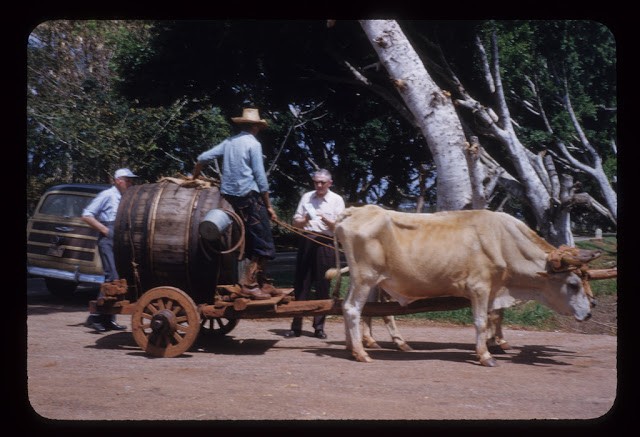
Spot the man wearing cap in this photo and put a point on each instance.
(244, 185)
(100, 214)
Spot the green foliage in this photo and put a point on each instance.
(79, 129)
(153, 94)
(553, 54)
(274, 64)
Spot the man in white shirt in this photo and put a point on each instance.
(317, 212)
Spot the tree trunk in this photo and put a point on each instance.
(432, 108)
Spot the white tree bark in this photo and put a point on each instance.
(595, 170)
(432, 107)
(537, 173)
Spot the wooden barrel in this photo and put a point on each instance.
(156, 236)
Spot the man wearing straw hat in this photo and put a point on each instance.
(244, 185)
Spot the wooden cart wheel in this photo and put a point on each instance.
(217, 326)
(165, 322)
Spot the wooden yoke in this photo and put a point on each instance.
(567, 258)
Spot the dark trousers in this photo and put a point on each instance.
(105, 247)
(258, 235)
(312, 261)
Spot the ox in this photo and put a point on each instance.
(490, 258)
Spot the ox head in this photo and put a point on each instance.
(569, 292)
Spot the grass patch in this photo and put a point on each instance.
(526, 314)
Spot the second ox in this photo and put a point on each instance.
(490, 258)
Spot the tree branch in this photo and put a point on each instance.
(485, 65)
(362, 80)
(502, 103)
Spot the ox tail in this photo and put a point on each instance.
(332, 273)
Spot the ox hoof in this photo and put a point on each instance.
(363, 358)
(404, 347)
(498, 345)
(371, 345)
(505, 346)
(489, 362)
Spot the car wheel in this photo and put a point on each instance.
(60, 287)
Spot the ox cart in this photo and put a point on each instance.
(177, 244)
(165, 320)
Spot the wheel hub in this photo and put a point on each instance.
(163, 322)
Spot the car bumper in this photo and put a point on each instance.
(65, 275)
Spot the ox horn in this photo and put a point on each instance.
(565, 257)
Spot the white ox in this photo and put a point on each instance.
(490, 258)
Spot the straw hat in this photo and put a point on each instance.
(250, 115)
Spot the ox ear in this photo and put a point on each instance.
(543, 274)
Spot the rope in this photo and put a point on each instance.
(304, 233)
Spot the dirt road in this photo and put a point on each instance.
(256, 374)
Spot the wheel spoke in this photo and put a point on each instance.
(160, 303)
(184, 328)
(177, 337)
(218, 325)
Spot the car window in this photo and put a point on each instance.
(64, 205)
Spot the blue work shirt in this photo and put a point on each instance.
(104, 206)
(242, 167)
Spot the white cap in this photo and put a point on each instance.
(124, 172)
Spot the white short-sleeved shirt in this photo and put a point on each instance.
(330, 206)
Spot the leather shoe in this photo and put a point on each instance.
(97, 326)
(320, 334)
(292, 333)
(112, 325)
(93, 323)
